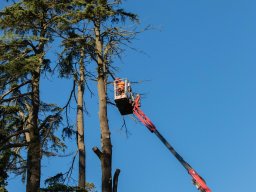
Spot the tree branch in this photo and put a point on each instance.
(69, 172)
(97, 152)
(14, 134)
(13, 89)
(13, 145)
(70, 96)
(48, 119)
(16, 97)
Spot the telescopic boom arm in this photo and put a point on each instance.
(198, 181)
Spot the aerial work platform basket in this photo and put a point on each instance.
(123, 96)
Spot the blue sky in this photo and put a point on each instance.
(200, 65)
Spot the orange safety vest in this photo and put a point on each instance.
(120, 85)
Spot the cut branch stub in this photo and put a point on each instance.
(97, 152)
(115, 181)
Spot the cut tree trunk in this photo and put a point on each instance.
(115, 182)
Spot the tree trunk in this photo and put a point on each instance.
(34, 146)
(80, 123)
(106, 158)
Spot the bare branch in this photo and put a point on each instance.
(88, 87)
(111, 103)
(69, 172)
(125, 127)
(70, 96)
(97, 152)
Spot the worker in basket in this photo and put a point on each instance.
(120, 86)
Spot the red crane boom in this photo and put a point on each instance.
(198, 181)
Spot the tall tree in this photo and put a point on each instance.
(72, 63)
(78, 47)
(27, 26)
(15, 101)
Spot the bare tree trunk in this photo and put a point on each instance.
(34, 147)
(80, 123)
(106, 158)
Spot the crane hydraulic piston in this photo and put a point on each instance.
(197, 180)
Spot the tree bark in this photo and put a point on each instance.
(106, 160)
(80, 123)
(34, 146)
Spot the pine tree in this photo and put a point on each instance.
(72, 63)
(27, 26)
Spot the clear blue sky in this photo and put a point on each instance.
(200, 63)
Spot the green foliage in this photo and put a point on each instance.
(27, 27)
(49, 123)
(3, 189)
(77, 32)
(4, 160)
(58, 178)
(26, 30)
(11, 142)
(58, 187)
(56, 183)
(68, 132)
